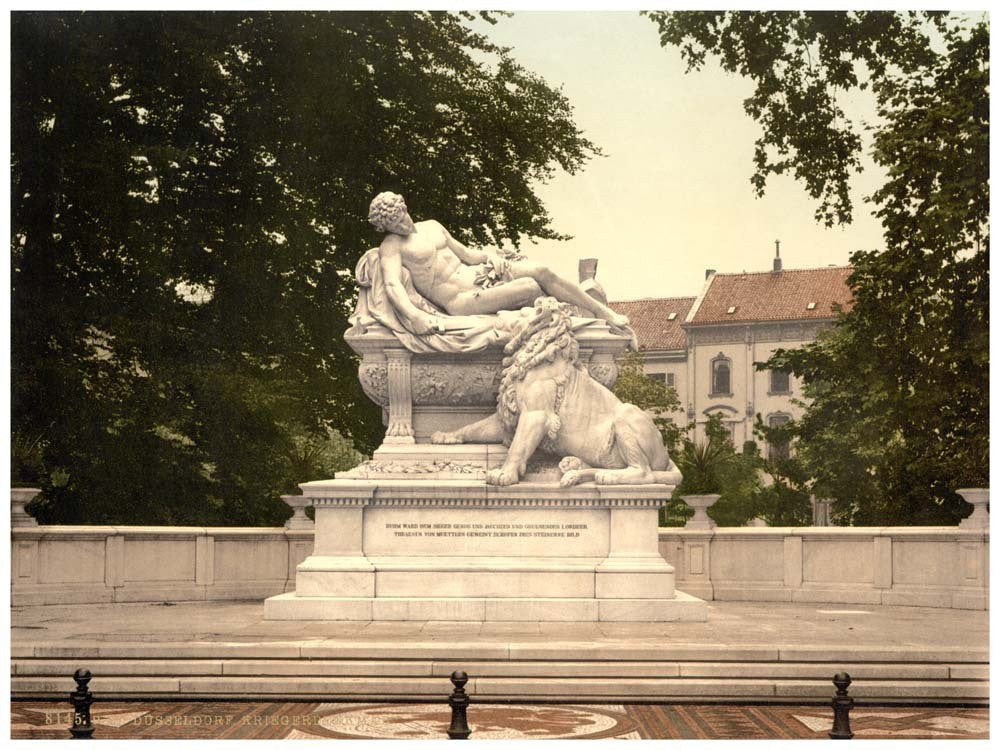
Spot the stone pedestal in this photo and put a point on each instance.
(417, 534)
(391, 548)
(423, 393)
(701, 503)
(978, 498)
(19, 497)
(299, 520)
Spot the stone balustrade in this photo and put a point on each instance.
(915, 566)
(921, 566)
(86, 564)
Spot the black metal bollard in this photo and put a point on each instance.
(459, 702)
(842, 705)
(81, 699)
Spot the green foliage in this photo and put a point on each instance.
(189, 200)
(897, 418)
(783, 499)
(783, 504)
(633, 386)
(706, 464)
(713, 466)
(27, 462)
(318, 456)
(749, 486)
(800, 61)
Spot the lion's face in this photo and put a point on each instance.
(529, 320)
(542, 336)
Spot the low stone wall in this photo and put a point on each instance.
(914, 566)
(908, 565)
(86, 564)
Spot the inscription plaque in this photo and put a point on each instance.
(395, 531)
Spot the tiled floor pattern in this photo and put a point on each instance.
(232, 720)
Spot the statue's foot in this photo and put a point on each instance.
(617, 319)
(446, 438)
(501, 477)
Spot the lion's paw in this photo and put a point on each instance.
(501, 477)
(569, 478)
(570, 463)
(446, 438)
(606, 477)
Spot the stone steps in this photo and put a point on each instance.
(526, 650)
(499, 688)
(583, 606)
(536, 671)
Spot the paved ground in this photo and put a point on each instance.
(236, 720)
(829, 627)
(729, 623)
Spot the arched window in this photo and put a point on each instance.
(729, 418)
(722, 376)
(780, 382)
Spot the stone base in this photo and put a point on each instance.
(682, 608)
(427, 541)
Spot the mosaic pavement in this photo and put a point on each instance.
(244, 720)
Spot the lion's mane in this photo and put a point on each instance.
(532, 347)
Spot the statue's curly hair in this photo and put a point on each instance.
(385, 208)
(548, 335)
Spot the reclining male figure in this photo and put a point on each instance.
(457, 278)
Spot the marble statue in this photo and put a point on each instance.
(436, 294)
(549, 401)
(467, 351)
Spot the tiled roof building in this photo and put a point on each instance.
(707, 347)
(795, 294)
(657, 322)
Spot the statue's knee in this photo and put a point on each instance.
(544, 276)
(533, 290)
(537, 272)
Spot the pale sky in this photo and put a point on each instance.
(672, 195)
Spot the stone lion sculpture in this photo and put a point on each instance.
(549, 401)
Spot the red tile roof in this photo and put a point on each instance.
(650, 320)
(768, 295)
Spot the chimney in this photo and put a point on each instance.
(777, 256)
(709, 272)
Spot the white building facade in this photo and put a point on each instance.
(707, 346)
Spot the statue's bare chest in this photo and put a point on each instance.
(421, 249)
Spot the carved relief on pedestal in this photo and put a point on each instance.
(442, 469)
(375, 382)
(455, 384)
(603, 369)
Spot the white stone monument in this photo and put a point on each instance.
(511, 484)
